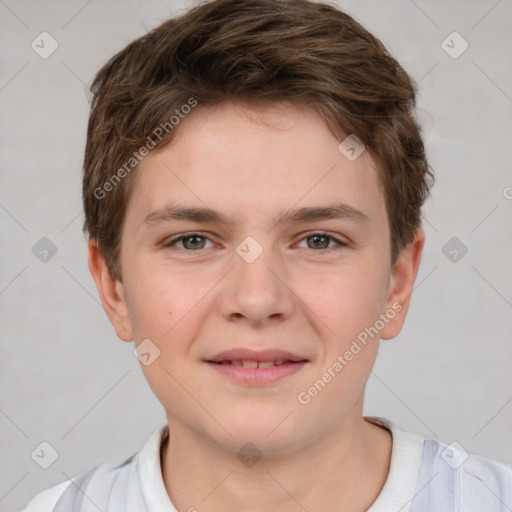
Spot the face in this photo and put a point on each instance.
(252, 240)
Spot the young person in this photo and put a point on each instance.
(253, 180)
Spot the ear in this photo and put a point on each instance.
(401, 283)
(111, 293)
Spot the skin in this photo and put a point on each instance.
(297, 296)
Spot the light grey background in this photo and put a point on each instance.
(66, 379)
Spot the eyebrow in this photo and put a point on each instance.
(176, 212)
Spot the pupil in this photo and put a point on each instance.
(194, 244)
(316, 237)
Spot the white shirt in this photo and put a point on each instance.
(424, 476)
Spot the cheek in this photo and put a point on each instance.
(161, 313)
(156, 291)
(349, 299)
(153, 304)
(168, 308)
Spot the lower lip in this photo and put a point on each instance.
(258, 376)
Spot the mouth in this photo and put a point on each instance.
(251, 363)
(239, 356)
(252, 368)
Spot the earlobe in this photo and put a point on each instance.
(111, 293)
(403, 276)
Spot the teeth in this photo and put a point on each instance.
(256, 364)
(260, 364)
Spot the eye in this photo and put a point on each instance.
(190, 242)
(195, 241)
(322, 241)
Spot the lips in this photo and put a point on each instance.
(253, 359)
(256, 368)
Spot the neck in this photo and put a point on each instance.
(344, 470)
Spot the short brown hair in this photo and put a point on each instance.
(255, 51)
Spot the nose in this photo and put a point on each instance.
(256, 292)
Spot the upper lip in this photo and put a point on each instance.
(244, 354)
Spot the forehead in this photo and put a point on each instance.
(253, 160)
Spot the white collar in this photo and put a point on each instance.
(406, 455)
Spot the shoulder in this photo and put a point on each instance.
(427, 474)
(102, 485)
(107, 487)
(462, 480)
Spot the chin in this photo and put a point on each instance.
(265, 430)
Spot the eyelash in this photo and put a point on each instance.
(171, 243)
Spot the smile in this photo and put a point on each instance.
(253, 373)
(256, 364)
